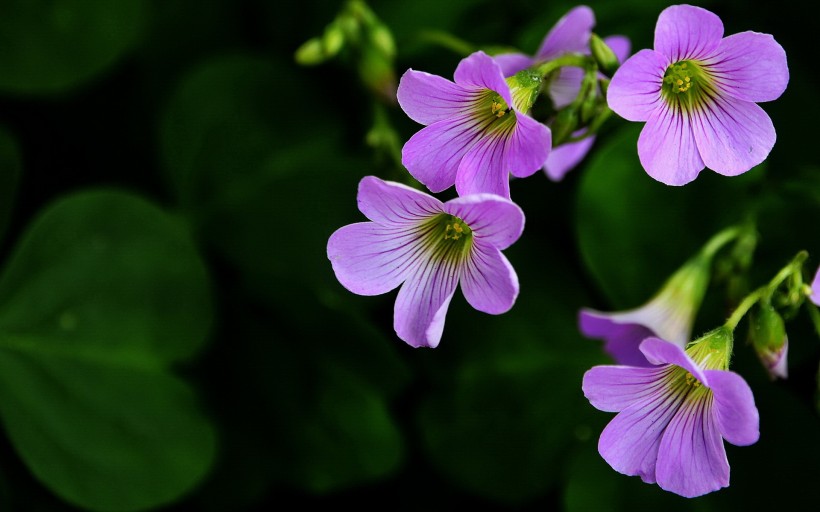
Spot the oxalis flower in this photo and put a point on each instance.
(697, 92)
(672, 416)
(669, 315)
(570, 34)
(476, 133)
(815, 289)
(427, 247)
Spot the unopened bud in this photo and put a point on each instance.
(767, 332)
(333, 39)
(382, 39)
(603, 54)
(312, 52)
(563, 126)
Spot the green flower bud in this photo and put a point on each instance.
(333, 39)
(767, 333)
(311, 53)
(565, 123)
(603, 55)
(382, 39)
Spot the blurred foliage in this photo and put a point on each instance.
(233, 165)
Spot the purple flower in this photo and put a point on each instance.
(698, 93)
(431, 247)
(815, 288)
(570, 35)
(672, 416)
(668, 315)
(476, 133)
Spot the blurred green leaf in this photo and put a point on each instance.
(50, 46)
(634, 231)
(10, 169)
(103, 294)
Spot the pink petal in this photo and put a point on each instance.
(614, 388)
(494, 220)
(732, 135)
(488, 281)
(527, 147)
(691, 458)
(658, 351)
(387, 202)
(735, 410)
(667, 148)
(427, 98)
(565, 86)
(512, 63)
(370, 259)
(565, 157)
(687, 32)
(815, 288)
(750, 66)
(630, 442)
(483, 170)
(480, 70)
(635, 90)
(433, 155)
(422, 302)
(570, 34)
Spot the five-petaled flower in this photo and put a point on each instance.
(476, 133)
(570, 34)
(430, 247)
(698, 93)
(672, 416)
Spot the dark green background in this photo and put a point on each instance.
(172, 336)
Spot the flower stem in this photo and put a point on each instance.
(569, 60)
(766, 291)
(718, 241)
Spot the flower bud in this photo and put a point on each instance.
(382, 39)
(563, 126)
(767, 333)
(333, 40)
(310, 53)
(603, 54)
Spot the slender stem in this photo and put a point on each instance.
(448, 41)
(718, 241)
(569, 60)
(744, 307)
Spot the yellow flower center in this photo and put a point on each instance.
(686, 85)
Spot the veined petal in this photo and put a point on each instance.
(479, 69)
(394, 203)
(370, 259)
(621, 338)
(659, 351)
(691, 458)
(433, 154)
(527, 147)
(750, 66)
(427, 98)
(732, 135)
(482, 169)
(667, 148)
(614, 388)
(493, 219)
(512, 63)
(635, 90)
(687, 32)
(565, 157)
(565, 86)
(570, 34)
(815, 288)
(621, 46)
(488, 281)
(630, 442)
(734, 407)
(422, 301)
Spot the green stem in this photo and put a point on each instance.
(718, 241)
(568, 60)
(448, 41)
(744, 307)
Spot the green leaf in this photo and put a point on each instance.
(56, 45)
(10, 169)
(103, 294)
(634, 231)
